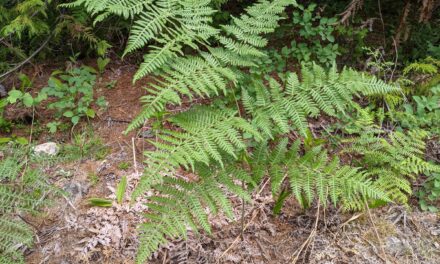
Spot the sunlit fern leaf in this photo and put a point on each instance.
(148, 26)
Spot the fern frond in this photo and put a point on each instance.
(185, 77)
(393, 161)
(20, 193)
(427, 66)
(314, 176)
(319, 90)
(148, 26)
(207, 135)
(183, 205)
(14, 234)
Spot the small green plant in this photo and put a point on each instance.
(25, 82)
(123, 165)
(120, 189)
(315, 42)
(317, 36)
(85, 145)
(53, 126)
(103, 202)
(100, 202)
(101, 152)
(74, 93)
(110, 85)
(423, 113)
(378, 64)
(93, 178)
(17, 96)
(102, 63)
(429, 194)
(18, 140)
(428, 66)
(101, 50)
(422, 110)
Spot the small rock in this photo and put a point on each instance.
(3, 92)
(48, 148)
(75, 190)
(146, 134)
(435, 232)
(103, 166)
(396, 246)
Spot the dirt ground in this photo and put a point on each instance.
(72, 232)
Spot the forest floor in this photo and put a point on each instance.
(70, 231)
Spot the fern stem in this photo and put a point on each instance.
(242, 212)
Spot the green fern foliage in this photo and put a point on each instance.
(26, 20)
(286, 107)
(427, 66)
(103, 9)
(174, 25)
(315, 176)
(14, 234)
(244, 37)
(183, 205)
(229, 147)
(393, 160)
(20, 193)
(180, 205)
(187, 76)
(205, 135)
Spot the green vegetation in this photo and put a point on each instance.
(23, 190)
(317, 36)
(75, 94)
(123, 165)
(429, 195)
(100, 202)
(244, 93)
(120, 190)
(84, 145)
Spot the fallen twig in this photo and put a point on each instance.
(297, 253)
(384, 256)
(18, 66)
